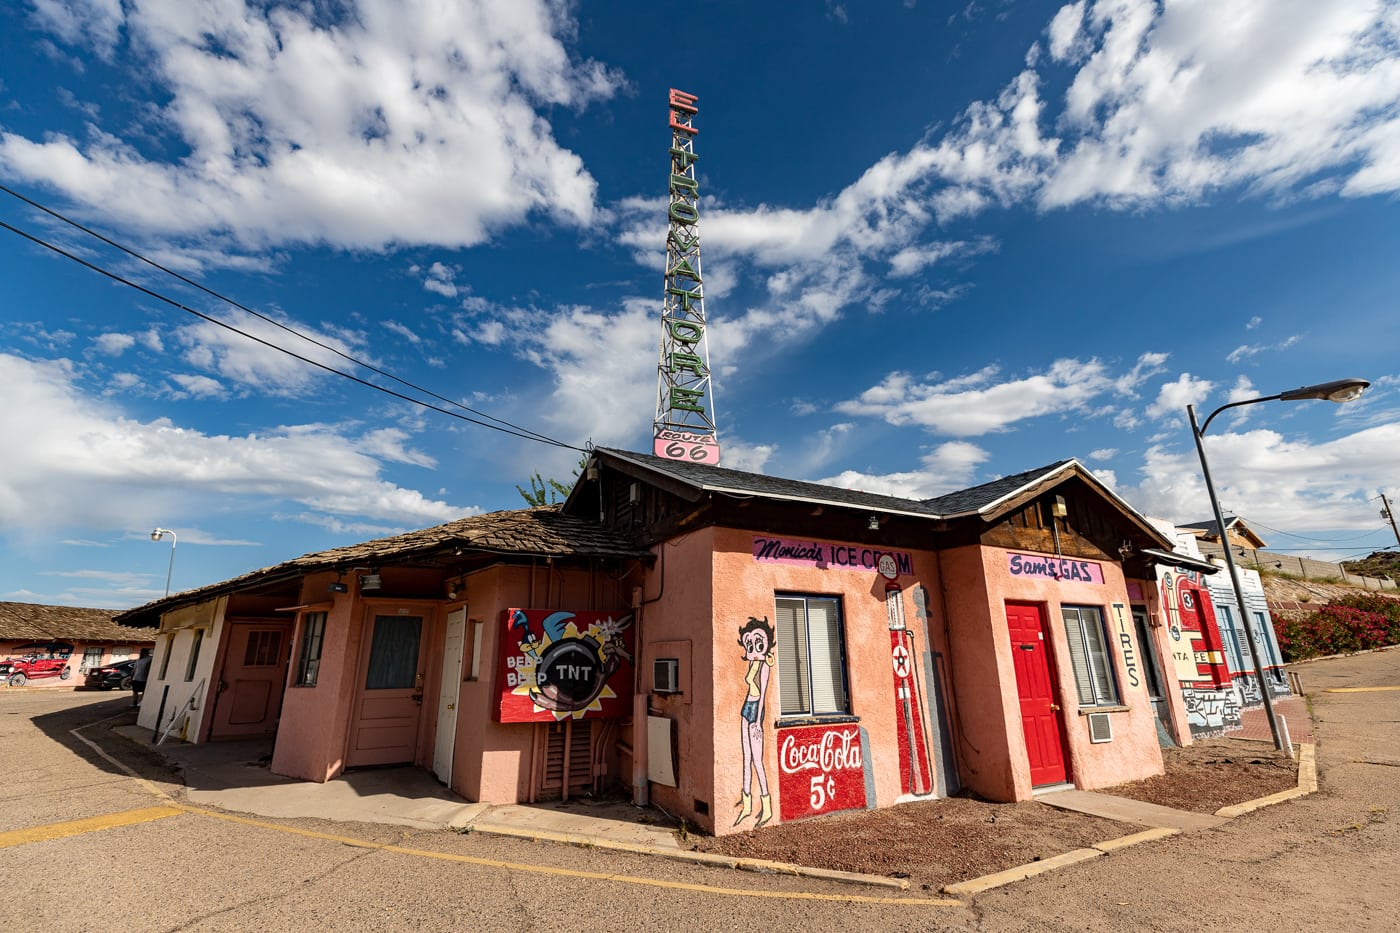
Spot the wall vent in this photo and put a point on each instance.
(1100, 728)
(665, 675)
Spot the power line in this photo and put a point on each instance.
(1290, 534)
(275, 323)
(521, 433)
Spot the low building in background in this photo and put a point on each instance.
(56, 646)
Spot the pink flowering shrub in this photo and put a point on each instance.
(1351, 623)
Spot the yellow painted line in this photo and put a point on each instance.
(1360, 689)
(20, 837)
(578, 873)
(513, 866)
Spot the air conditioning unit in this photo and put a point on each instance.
(1100, 728)
(665, 675)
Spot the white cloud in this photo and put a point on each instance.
(247, 362)
(1293, 484)
(84, 463)
(1103, 453)
(974, 405)
(1147, 366)
(352, 132)
(1254, 322)
(1173, 397)
(114, 344)
(1245, 351)
(947, 468)
(198, 386)
(439, 278)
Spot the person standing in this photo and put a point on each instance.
(139, 672)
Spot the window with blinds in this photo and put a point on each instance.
(811, 656)
(1089, 656)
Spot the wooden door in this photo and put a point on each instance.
(389, 701)
(1036, 688)
(448, 694)
(252, 681)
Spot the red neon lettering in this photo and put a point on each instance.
(680, 100)
(683, 127)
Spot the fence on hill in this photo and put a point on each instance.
(1305, 567)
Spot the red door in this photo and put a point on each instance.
(1035, 685)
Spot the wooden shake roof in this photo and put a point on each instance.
(35, 622)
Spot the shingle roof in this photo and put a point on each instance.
(35, 622)
(741, 483)
(971, 500)
(544, 531)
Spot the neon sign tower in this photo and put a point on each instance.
(684, 428)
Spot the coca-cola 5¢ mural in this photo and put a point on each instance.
(821, 769)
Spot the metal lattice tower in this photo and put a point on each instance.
(684, 428)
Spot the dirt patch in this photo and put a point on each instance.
(938, 842)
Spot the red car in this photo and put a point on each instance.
(36, 659)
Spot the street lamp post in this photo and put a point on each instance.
(156, 535)
(1343, 390)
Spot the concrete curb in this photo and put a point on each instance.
(762, 866)
(1020, 872)
(1307, 784)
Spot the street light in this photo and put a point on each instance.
(156, 535)
(1343, 390)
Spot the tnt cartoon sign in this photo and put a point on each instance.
(820, 770)
(564, 665)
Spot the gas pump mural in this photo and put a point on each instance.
(916, 775)
(1212, 701)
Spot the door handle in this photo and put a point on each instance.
(451, 705)
(1055, 707)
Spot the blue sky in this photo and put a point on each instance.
(941, 243)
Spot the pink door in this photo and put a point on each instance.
(1035, 686)
(389, 701)
(249, 691)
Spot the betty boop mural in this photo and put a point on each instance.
(756, 638)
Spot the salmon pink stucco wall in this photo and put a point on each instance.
(1133, 753)
(745, 587)
(675, 621)
(312, 732)
(494, 762)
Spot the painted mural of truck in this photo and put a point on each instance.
(36, 659)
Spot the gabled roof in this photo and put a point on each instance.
(36, 622)
(702, 478)
(980, 499)
(990, 501)
(543, 531)
(1233, 525)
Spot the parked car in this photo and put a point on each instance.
(109, 676)
(36, 659)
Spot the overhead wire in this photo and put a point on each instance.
(522, 433)
(515, 429)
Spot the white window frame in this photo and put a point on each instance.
(811, 646)
(1091, 656)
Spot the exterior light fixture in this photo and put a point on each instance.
(1342, 390)
(874, 523)
(156, 535)
(370, 583)
(339, 586)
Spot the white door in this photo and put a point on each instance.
(448, 695)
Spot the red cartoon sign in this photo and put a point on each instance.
(820, 770)
(562, 665)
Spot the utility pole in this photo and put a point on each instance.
(1388, 514)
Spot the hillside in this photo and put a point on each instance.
(1379, 564)
(1289, 596)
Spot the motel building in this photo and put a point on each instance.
(741, 650)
